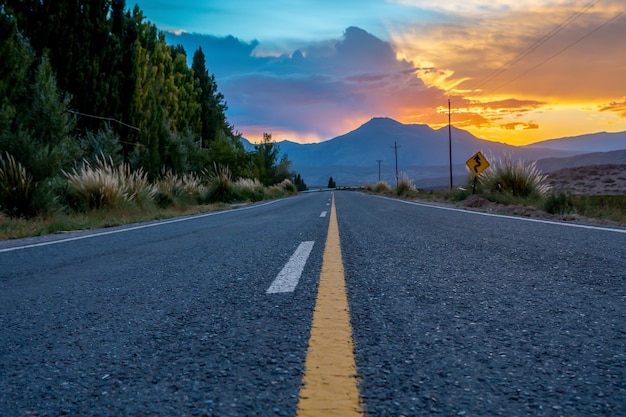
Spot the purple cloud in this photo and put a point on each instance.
(316, 89)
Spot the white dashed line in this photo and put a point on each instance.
(323, 214)
(288, 277)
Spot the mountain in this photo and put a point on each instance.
(597, 142)
(423, 153)
(587, 159)
(418, 145)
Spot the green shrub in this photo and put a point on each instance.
(609, 207)
(104, 142)
(559, 204)
(460, 194)
(521, 179)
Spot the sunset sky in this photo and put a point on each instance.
(515, 71)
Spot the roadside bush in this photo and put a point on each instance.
(96, 186)
(172, 189)
(168, 187)
(521, 179)
(247, 189)
(559, 204)
(609, 207)
(104, 142)
(57, 195)
(282, 189)
(405, 185)
(139, 188)
(289, 187)
(460, 194)
(107, 185)
(220, 184)
(381, 187)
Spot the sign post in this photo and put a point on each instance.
(477, 164)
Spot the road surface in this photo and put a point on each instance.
(450, 312)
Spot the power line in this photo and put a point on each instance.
(537, 44)
(109, 119)
(559, 52)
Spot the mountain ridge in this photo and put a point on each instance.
(423, 152)
(610, 141)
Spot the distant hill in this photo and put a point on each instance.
(597, 142)
(423, 153)
(587, 159)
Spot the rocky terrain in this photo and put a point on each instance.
(590, 180)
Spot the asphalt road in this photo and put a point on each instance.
(452, 313)
(460, 314)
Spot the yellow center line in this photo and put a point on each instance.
(329, 385)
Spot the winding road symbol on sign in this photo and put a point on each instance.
(477, 159)
(477, 163)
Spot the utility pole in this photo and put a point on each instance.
(395, 147)
(379, 161)
(450, 143)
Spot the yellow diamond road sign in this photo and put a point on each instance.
(477, 163)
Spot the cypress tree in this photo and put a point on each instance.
(212, 101)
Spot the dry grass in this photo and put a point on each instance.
(220, 181)
(282, 189)
(16, 187)
(173, 189)
(518, 179)
(11, 228)
(138, 187)
(405, 186)
(248, 189)
(381, 187)
(108, 195)
(107, 185)
(249, 184)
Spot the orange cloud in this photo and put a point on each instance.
(510, 105)
(475, 49)
(473, 60)
(519, 126)
(618, 107)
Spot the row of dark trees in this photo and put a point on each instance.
(80, 78)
